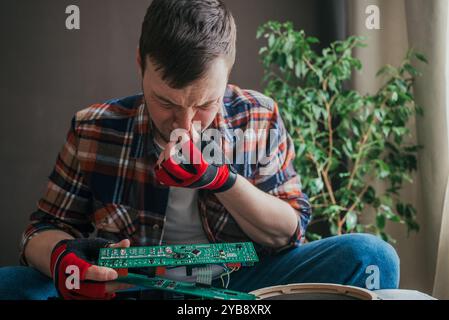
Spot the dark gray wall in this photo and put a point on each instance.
(47, 73)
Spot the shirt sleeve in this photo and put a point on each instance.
(67, 201)
(276, 175)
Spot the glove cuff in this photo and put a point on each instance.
(230, 179)
(56, 255)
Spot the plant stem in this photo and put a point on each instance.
(329, 187)
(310, 65)
(359, 197)
(362, 145)
(317, 196)
(317, 166)
(331, 131)
(317, 220)
(359, 154)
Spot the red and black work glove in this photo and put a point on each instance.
(93, 280)
(196, 173)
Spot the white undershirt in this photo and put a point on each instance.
(183, 226)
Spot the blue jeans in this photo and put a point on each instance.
(346, 259)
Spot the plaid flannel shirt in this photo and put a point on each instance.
(103, 181)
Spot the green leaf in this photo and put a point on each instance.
(357, 64)
(387, 201)
(384, 236)
(313, 236)
(333, 210)
(395, 218)
(298, 69)
(383, 169)
(411, 70)
(301, 149)
(370, 195)
(334, 229)
(351, 220)
(290, 62)
(380, 221)
(271, 41)
(421, 57)
(387, 70)
(386, 210)
(316, 111)
(312, 40)
(394, 97)
(317, 185)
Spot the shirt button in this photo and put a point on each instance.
(155, 227)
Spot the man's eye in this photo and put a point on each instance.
(167, 105)
(207, 107)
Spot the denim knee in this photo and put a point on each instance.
(373, 256)
(25, 283)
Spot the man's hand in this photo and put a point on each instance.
(95, 281)
(200, 175)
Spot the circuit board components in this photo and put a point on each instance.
(178, 255)
(200, 256)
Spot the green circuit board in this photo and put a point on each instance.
(178, 255)
(185, 288)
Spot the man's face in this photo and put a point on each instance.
(172, 109)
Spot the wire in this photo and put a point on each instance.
(225, 267)
(221, 275)
(228, 274)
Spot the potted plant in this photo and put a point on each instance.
(344, 140)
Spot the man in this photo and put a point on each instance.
(116, 182)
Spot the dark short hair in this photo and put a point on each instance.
(182, 38)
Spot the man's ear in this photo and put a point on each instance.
(139, 61)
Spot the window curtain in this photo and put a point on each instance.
(422, 25)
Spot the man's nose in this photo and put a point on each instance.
(184, 119)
